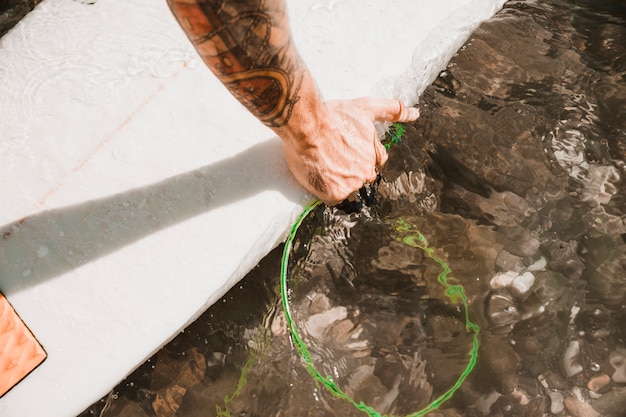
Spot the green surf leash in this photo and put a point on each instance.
(412, 237)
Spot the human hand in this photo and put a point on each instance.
(331, 147)
(343, 152)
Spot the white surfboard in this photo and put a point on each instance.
(135, 191)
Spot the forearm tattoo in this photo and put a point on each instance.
(248, 47)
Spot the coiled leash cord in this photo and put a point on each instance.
(411, 237)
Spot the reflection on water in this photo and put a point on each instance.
(513, 174)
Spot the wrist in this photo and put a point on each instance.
(307, 118)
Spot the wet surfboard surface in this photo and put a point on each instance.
(137, 191)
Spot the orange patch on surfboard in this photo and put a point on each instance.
(20, 352)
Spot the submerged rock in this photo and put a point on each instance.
(599, 382)
(556, 402)
(612, 403)
(571, 359)
(618, 362)
(578, 407)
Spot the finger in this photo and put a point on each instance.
(353, 196)
(391, 110)
(372, 177)
(407, 114)
(381, 153)
(330, 203)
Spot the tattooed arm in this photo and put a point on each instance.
(331, 147)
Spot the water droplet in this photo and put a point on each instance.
(595, 367)
(42, 251)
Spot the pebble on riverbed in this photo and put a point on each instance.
(618, 361)
(597, 383)
(571, 361)
(556, 402)
(577, 407)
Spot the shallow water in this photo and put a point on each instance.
(513, 175)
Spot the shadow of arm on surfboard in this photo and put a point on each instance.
(49, 243)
